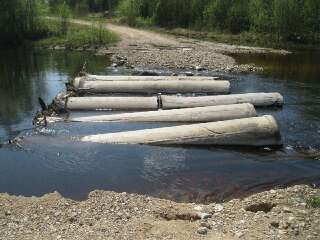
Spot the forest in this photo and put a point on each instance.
(284, 20)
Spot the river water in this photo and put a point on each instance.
(51, 159)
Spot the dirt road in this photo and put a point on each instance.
(156, 50)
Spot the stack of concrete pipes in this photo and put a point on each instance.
(217, 118)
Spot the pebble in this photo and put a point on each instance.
(189, 74)
(218, 208)
(287, 210)
(281, 232)
(198, 208)
(291, 219)
(56, 214)
(205, 215)
(284, 225)
(206, 225)
(199, 68)
(202, 230)
(7, 213)
(275, 224)
(239, 234)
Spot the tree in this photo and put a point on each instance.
(261, 15)
(216, 13)
(238, 16)
(312, 19)
(130, 10)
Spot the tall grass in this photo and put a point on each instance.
(77, 36)
(21, 20)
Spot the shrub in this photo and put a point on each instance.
(313, 202)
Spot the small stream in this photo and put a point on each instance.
(51, 159)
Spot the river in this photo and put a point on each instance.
(51, 159)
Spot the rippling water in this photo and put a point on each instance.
(49, 159)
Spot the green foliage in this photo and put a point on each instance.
(64, 13)
(130, 11)
(261, 15)
(284, 20)
(313, 202)
(216, 13)
(78, 36)
(21, 19)
(238, 16)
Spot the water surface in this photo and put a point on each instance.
(51, 159)
(26, 75)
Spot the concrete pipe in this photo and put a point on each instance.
(153, 87)
(200, 114)
(257, 131)
(257, 99)
(142, 78)
(112, 103)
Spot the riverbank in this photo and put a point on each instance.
(154, 50)
(250, 39)
(77, 37)
(276, 214)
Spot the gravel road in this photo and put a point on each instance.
(148, 49)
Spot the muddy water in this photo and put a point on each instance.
(51, 158)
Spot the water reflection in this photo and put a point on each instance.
(296, 76)
(26, 75)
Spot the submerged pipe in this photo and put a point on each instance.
(200, 114)
(257, 131)
(257, 99)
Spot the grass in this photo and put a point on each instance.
(77, 36)
(313, 202)
(245, 38)
(248, 38)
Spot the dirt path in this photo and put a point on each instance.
(143, 38)
(156, 50)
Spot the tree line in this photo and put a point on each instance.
(284, 20)
(20, 19)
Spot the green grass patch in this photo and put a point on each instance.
(77, 36)
(244, 38)
(247, 38)
(313, 202)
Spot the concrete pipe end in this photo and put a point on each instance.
(251, 109)
(274, 128)
(280, 99)
(77, 82)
